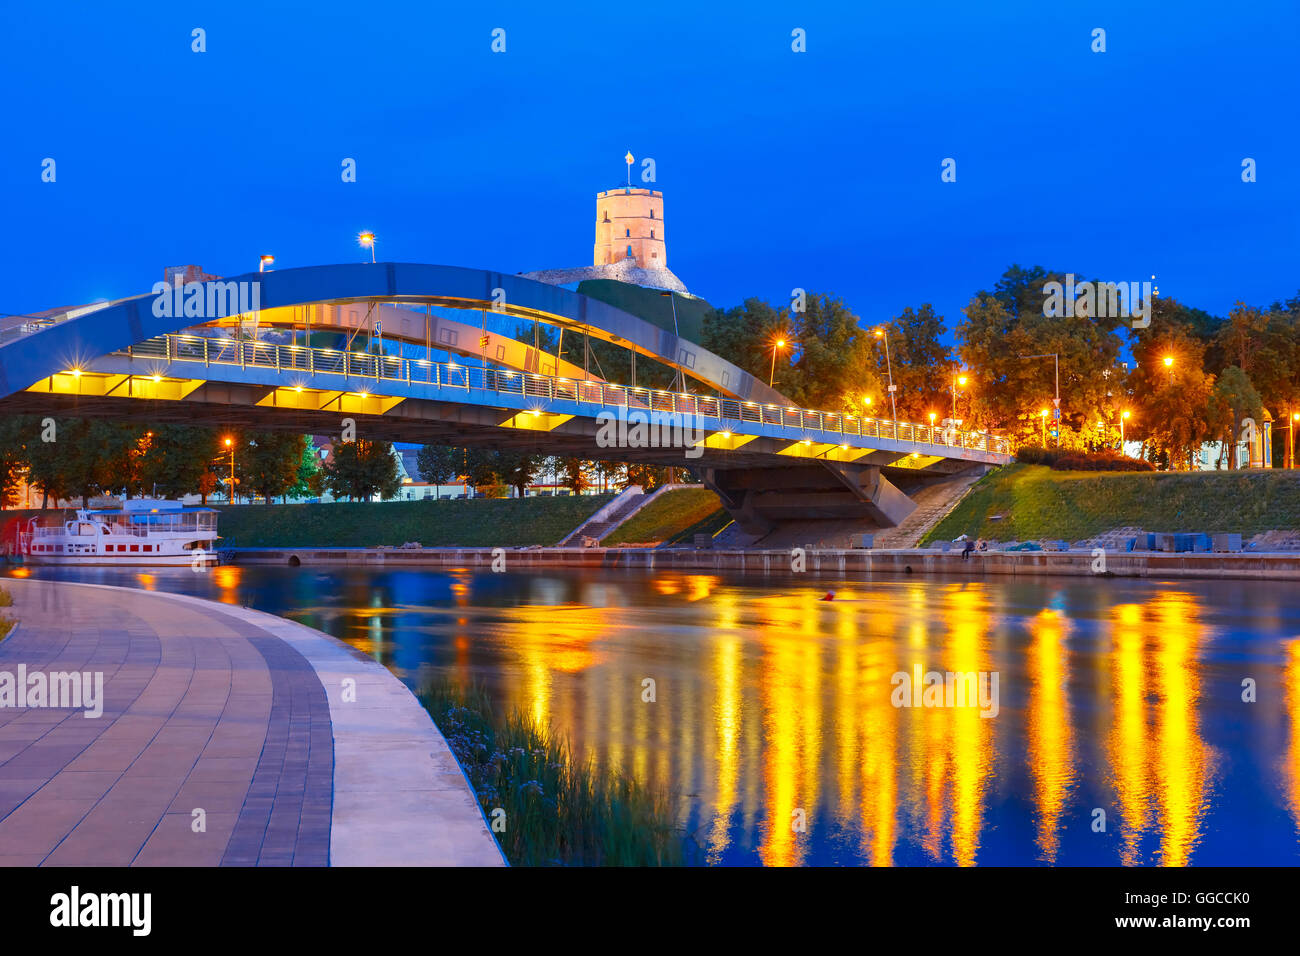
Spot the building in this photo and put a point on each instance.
(630, 244)
(630, 225)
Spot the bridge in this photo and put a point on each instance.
(204, 360)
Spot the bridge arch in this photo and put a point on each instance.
(79, 336)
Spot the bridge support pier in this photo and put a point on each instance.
(838, 497)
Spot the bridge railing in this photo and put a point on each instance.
(825, 426)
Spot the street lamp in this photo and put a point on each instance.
(1169, 364)
(957, 381)
(1290, 439)
(368, 239)
(932, 428)
(231, 445)
(883, 333)
(778, 344)
(1123, 416)
(263, 262)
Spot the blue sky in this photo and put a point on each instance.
(819, 170)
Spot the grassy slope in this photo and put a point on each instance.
(485, 522)
(1041, 503)
(676, 516)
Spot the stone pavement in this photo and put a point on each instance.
(286, 745)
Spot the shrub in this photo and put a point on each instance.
(1100, 461)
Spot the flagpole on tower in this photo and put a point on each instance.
(628, 159)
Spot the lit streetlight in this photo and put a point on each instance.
(368, 239)
(263, 262)
(1123, 417)
(231, 445)
(883, 333)
(958, 381)
(778, 344)
(1169, 364)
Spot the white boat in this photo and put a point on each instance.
(143, 532)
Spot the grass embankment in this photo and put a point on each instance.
(676, 515)
(6, 622)
(558, 811)
(1037, 502)
(473, 523)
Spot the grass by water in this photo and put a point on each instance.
(559, 811)
(1036, 502)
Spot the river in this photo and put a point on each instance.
(1135, 721)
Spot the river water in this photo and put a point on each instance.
(1137, 722)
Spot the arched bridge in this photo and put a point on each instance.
(237, 352)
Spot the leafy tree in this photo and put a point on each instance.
(1004, 326)
(310, 479)
(362, 469)
(649, 477)
(176, 459)
(1233, 400)
(439, 464)
(576, 477)
(922, 366)
(269, 462)
(517, 469)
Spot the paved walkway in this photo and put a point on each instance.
(228, 737)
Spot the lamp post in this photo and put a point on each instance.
(883, 333)
(368, 239)
(1292, 419)
(932, 428)
(231, 445)
(957, 380)
(263, 262)
(1123, 416)
(1169, 364)
(778, 344)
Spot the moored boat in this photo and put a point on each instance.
(143, 532)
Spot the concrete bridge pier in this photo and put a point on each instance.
(763, 501)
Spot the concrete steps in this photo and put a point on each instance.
(933, 504)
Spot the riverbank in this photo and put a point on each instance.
(221, 736)
(1280, 565)
(1032, 502)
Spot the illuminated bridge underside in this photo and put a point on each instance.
(771, 464)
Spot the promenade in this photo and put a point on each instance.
(228, 737)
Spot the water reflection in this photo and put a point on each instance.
(772, 707)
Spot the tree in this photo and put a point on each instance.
(1173, 403)
(1233, 400)
(362, 469)
(269, 462)
(922, 365)
(439, 464)
(177, 459)
(1002, 327)
(576, 477)
(649, 477)
(14, 432)
(310, 479)
(517, 469)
